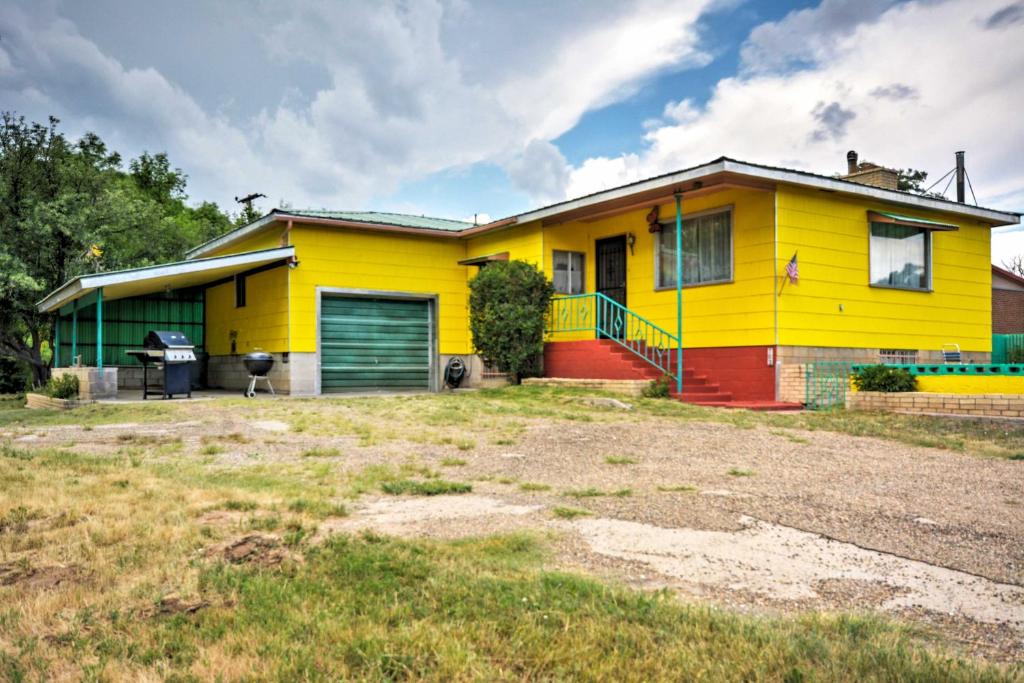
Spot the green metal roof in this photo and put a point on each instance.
(381, 218)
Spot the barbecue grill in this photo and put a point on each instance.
(258, 363)
(171, 354)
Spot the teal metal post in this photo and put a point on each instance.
(99, 330)
(679, 291)
(56, 341)
(74, 331)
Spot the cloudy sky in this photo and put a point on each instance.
(455, 108)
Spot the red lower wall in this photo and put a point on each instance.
(742, 371)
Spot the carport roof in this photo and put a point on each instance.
(121, 284)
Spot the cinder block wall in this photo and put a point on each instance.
(92, 382)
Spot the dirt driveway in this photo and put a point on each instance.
(751, 513)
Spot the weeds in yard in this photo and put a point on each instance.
(531, 486)
(569, 513)
(240, 505)
(737, 472)
(619, 460)
(15, 520)
(622, 493)
(321, 452)
(679, 488)
(211, 449)
(589, 492)
(318, 508)
(265, 523)
(505, 480)
(790, 436)
(434, 487)
(452, 462)
(1017, 456)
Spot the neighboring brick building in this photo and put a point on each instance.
(1007, 302)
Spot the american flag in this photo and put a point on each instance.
(792, 270)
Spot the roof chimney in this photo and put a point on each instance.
(867, 173)
(960, 173)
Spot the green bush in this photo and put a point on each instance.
(659, 388)
(508, 302)
(14, 375)
(1016, 355)
(62, 386)
(884, 378)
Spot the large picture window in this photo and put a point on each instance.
(707, 250)
(568, 271)
(900, 256)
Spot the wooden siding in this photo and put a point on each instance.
(831, 235)
(261, 324)
(378, 261)
(739, 313)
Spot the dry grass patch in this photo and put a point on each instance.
(562, 512)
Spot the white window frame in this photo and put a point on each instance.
(668, 230)
(928, 257)
(569, 272)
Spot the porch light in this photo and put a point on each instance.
(630, 240)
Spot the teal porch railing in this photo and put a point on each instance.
(611, 320)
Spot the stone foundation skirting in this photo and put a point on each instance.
(92, 382)
(978, 405)
(631, 387)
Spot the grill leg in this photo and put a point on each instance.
(250, 392)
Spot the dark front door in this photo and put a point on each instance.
(611, 281)
(611, 268)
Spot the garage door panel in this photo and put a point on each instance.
(368, 343)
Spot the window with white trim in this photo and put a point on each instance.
(707, 250)
(568, 271)
(900, 256)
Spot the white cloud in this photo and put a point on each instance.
(541, 171)
(906, 88)
(804, 35)
(1006, 244)
(413, 88)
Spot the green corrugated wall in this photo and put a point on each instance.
(126, 323)
(1004, 346)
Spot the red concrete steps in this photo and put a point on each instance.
(714, 381)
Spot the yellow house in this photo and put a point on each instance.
(779, 267)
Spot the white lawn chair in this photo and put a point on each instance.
(951, 354)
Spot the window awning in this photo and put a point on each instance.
(897, 219)
(483, 260)
(121, 284)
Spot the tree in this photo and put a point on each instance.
(1015, 265)
(508, 302)
(60, 198)
(911, 180)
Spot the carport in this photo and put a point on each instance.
(101, 315)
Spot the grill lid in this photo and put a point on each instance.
(166, 339)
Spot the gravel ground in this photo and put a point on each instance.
(753, 519)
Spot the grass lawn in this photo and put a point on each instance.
(112, 564)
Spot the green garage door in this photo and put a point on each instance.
(374, 344)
